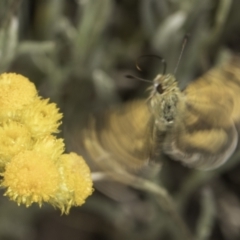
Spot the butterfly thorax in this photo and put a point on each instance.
(166, 101)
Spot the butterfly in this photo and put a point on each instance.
(196, 126)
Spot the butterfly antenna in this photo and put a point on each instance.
(138, 78)
(185, 40)
(153, 56)
(139, 69)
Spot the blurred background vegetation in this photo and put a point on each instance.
(78, 52)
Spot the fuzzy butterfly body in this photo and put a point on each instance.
(197, 126)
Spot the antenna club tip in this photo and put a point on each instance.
(129, 76)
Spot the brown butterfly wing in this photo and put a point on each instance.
(209, 136)
(121, 137)
(204, 138)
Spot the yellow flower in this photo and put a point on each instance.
(41, 117)
(15, 137)
(32, 165)
(50, 145)
(16, 91)
(30, 177)
(76, 183)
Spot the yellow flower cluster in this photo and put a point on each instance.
(32, 164)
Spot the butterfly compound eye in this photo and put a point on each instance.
(159, 89)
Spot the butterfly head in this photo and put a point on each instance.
(164, 100)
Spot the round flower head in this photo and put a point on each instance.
(41, 117)
(16, 91)
(76, 183)
(50, 145)
(30, 177)
(15, 137)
